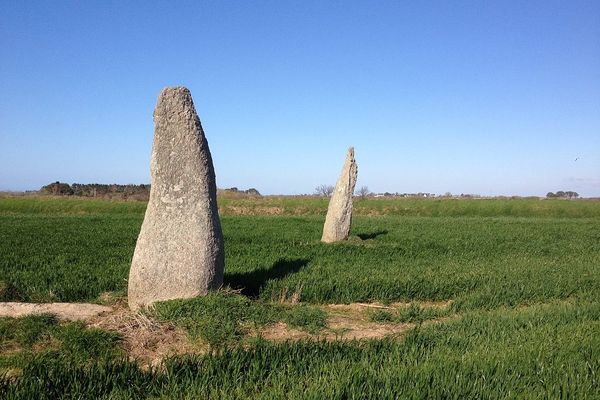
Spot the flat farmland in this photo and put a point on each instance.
(519, 280)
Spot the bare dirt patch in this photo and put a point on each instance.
(64, 311)
(149, 341)
(348, 322)
(338, 328)
(144, 338)
(280, 332)
(351, 321)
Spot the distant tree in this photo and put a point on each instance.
(572, 195)
(57, 188)
(324, 190)
(253, 192)
(363, 192)
(563, 195)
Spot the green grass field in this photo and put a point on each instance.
(523, 276)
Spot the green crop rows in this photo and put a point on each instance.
(523, 277)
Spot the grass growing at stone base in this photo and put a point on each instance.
(542, 351)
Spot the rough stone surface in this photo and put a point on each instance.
(179, 252)
(66, 311)
(339, 212)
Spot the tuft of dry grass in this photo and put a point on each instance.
(144, 338)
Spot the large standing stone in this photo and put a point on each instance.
(179, 252)
(339, 212)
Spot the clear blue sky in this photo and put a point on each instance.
(469, 97)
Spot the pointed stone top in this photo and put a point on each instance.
(174, 94)
(174, 90)
(173, 107)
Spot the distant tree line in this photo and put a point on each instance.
(115, 191)
(251, 191)
(137, 192)
(562, 195)
(142, 192)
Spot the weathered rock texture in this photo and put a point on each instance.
(339, 212)
(179, 252)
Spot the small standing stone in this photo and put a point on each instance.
(179, 251)
(339, 212)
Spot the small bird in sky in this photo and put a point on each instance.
(576, 158)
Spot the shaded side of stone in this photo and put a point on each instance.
(339, 213)
(179, 251)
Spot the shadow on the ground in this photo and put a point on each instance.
(251, 282)
(373, 235)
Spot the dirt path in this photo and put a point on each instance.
(149, 341)
(64, 311)
(344, 322)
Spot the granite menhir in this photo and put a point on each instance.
(339, 212)
(179, 252)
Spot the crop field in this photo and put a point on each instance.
(495, 299)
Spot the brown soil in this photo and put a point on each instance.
(148, 340)
(347, 322)
(338, 328)
(144, 338)
(64, 311)
(351, 321)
